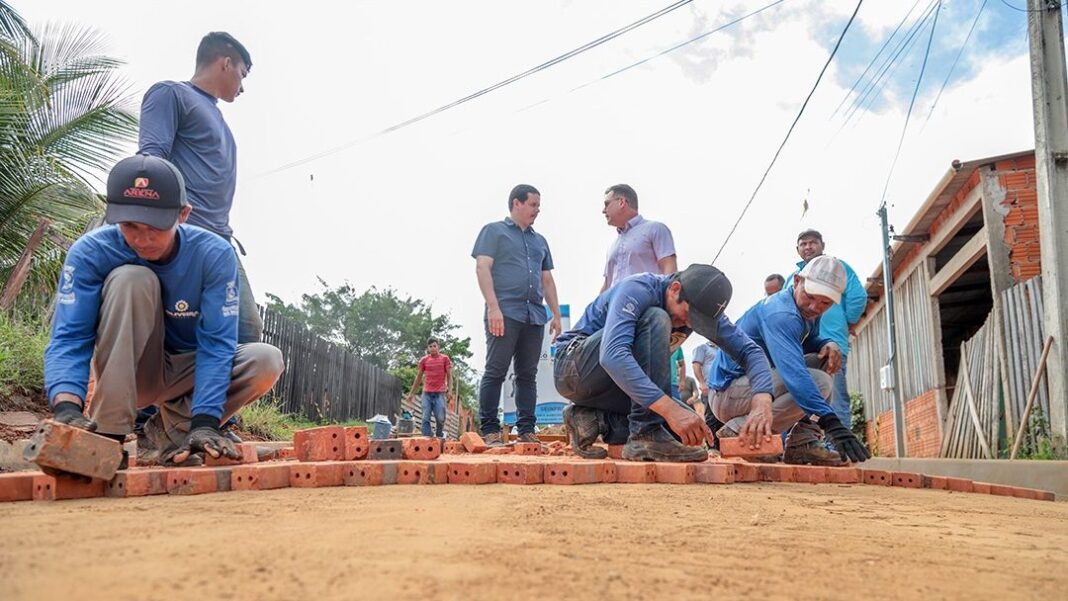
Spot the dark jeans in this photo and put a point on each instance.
(580, 378)
(520, 345)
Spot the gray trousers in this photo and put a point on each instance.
(132, 369)
(732, 405)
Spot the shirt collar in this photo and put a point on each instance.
(508, 221)
(633, 223)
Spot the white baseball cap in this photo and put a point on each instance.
(824, 276)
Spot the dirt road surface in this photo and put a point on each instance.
(757, 541)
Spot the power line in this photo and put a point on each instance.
(800, 112)
(559, 59)
(1050, 5)
(945, 83)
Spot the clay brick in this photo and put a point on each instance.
(454, 447)
(73, 450)
(246, 449)
(675, 473)
(745, 472)
(316, 475)
(472, 442)
(390, 449)
(420, 472)
(472, 473)
(498, 451)
(370, 473)
(60, 487)
(843, 475)
(326, 443)
(776, 472)
(735, 447)
(356, 443)
(264, 476)
(191, 481)
(981, 487)
(1002, 490)
(959, 485)
(811, 474)
(573, 473)
(635, 472)
(527, 448)
(615, 451)
(713, 473)
(137, 483)
(286, 453)
(1033, 493)
(907, 479)
(935, 482)
(17, 486)
(222, 477)
(877, 477)
(608, 471)
(519, 473)
(421, 449)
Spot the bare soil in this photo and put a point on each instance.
(759, 541)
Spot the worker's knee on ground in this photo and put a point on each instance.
(823, 380)
(132, 279)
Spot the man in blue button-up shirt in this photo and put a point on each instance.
(514, 269)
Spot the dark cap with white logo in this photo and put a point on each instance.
(708, 292)
(145, 189)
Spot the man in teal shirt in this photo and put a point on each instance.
(678, 368)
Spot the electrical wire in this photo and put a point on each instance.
(800, 112)
(945, 83)
(1050, 5)
(554, 61)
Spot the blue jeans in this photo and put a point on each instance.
(580, 378)
(521, 346)
(840, 397)
(434, 404)
(675, 394)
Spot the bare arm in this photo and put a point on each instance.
(483, 270)
(416, 383)
(668, 265)
(548, 284)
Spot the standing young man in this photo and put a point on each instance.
(437, 368)
(514, 269)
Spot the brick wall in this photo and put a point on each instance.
(1017, 177)
(922, 435)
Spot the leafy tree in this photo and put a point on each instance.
(383, 328)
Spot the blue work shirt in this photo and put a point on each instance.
(519, 258)
(776, 325)
(617, 311)
(200, 305)
(182, 124)
(834, 324)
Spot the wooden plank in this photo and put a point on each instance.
(966, 374)
(971, 252)
(21, 269)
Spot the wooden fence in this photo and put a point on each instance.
(323, 380)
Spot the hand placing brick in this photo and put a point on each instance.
(739, 447)
(73, 450)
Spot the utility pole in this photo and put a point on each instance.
(888, 375)
(1048, 87)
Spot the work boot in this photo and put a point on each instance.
(493, 439)
(528, 437)
(153, 442)
(811, 452)
(583, 426)
(659, 445)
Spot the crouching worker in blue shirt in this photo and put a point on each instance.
(786, 326)
(151, 305)
(614, 366)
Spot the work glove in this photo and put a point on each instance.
(843, 439)
(204, 437)
(70, 413)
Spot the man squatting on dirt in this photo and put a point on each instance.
(152, 304)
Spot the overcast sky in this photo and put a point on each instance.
(692, 131)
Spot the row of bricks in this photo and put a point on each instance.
(351, 443)
(917, 480)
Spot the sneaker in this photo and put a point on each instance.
(811, 452)
(493, 439)
(528, 437)
(659, 445)
(583, 426)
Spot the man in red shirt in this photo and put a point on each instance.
(438, 370)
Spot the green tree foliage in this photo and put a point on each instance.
(383, 328)
(65, 119)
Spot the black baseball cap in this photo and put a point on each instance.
(145, 189)
(708, 292)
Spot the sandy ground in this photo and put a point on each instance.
(760, 541)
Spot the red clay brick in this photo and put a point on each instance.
(1033, 493)
(69, 449)
(981, 487)
(246, 449)
(472, 442)
(326, 443)
(615, 451)
(907, 479)
(316, 475)
(575, 472)
(498, 451)
(935, 482)
(675, 473)
(744, 472)
(1002, 490)
(811, 474)
(608, 471)
(713, 473)
(391, 449)
(356, 443)
(843, 475)
(472, 473)
(62, 487)
(776, 472)
(959, 485)
(286, 453)
(421, 449)
(454, 447)
(137, 483)
(877, 477)
(413, 472)
(370, 473)
(265, 476)
(17, 486)
(735, 447)
(519, 473)
(635, 472)
(527, 448)
(191, 481)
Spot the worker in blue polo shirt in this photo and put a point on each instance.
(151, 306)
(614, 366)
(786, 326)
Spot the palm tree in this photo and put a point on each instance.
(65, 118)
